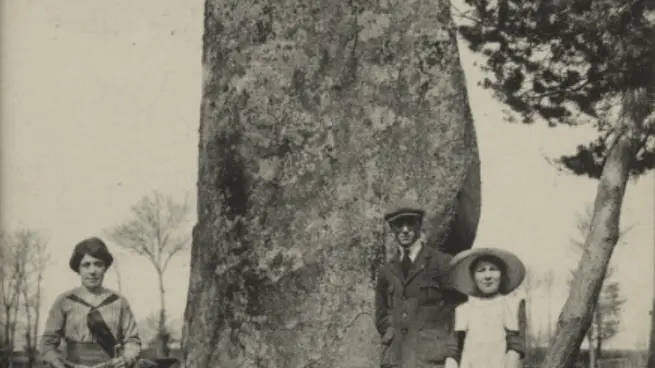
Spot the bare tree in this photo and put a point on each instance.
(547, 281)
(117, 271)
(24, 258)
(157, 231)
(149, 328)
(8, 295)
(11, 287)
(35, 260)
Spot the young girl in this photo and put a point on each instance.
(489, 328)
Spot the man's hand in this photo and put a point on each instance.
(388, 336)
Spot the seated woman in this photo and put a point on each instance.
(97, 324)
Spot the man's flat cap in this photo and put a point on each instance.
(403, 208)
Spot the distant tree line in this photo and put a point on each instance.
(23, 261)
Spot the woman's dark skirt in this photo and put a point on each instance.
(85, 353)
(91, 354)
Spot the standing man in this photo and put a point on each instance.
(414, 311)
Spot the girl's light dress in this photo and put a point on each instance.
(491, 326)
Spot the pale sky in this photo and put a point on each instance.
(100, 105)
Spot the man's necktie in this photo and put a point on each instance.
(406, 263)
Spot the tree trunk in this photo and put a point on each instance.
(7, 326)
(14, 323)
(549, 293)
(14, 304)
(163, 335)
(314, 115)
(29, 346)
(591, 349)
(37, 307)
(651, 345)
(594, 335)
(576, 314)
(600, 335)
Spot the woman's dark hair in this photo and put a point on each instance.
(496, 262)
(93, 247)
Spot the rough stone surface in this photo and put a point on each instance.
(314, 115)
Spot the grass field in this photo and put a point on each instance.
(610, 359)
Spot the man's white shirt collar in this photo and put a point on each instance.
(413, 249)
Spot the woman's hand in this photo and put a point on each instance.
(57, 363)
(513, 360)
(119, 362)
(451, 363)
(54, 361)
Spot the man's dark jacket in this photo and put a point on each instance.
(414, 315)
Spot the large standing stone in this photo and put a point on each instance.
(314, 115)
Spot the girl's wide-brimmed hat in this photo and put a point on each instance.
(462, 275)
